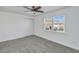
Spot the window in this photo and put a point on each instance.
(56, 24)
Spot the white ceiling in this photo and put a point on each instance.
(20, 9)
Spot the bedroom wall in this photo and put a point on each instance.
(14, 26)
(70, 37)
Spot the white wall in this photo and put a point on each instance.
(70, 37)
(14, 26)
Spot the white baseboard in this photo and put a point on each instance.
(57, 42)
(15, 38)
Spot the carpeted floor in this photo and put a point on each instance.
(33, 44)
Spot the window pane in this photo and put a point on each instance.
(48, 24)
(58, 23)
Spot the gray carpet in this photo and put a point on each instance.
(33, 44)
